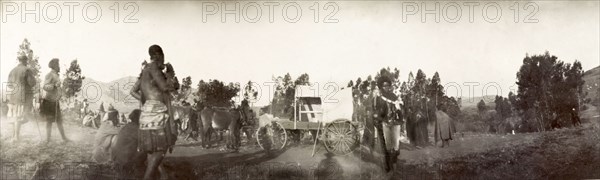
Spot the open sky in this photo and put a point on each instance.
(367, 36)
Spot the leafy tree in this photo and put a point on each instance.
(512, 98)
(201, 100)
(435, 90)
(503, 107)
(420, 86)
(32, 62)
(250, 94)
(421, 109)
(73, 80)
(481, 107)
(550, 91)
(506, 108)
(216, 93)
(450, 106)
(284, 95)
(574, 79)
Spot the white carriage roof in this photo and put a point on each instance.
(336, 103)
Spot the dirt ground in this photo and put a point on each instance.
(561, 154)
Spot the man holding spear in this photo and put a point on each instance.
(50, 106)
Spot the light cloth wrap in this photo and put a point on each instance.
(16, 113)
(105, 138)
(154, 115)
(443, 127)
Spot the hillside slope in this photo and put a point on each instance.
(592, 85)
(115, 92)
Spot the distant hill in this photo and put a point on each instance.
(120, 97)
(592, 84)
(467, 102)
(115, 92)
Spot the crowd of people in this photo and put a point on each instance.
(151, 127)
(149, 132)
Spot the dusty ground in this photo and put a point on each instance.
(562, 154)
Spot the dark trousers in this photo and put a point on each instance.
(50, 110)
(369, 133)
(381, 139)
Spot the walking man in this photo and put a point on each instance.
(50, 107)
(153, 89)
(20, 102)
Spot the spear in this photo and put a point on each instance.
(39, 111)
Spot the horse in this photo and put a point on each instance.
(216, 119)
(183, 116)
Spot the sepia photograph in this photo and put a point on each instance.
(307, 89)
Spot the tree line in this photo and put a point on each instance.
(550, 95)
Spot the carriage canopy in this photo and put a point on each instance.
(332, 105)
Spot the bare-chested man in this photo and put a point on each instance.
(153, 89)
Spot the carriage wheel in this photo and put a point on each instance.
(340, 137)
(271, 137)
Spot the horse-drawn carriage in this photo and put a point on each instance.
(328, 118)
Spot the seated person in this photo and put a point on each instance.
(91, 119)
(106, 136)
(127, 159)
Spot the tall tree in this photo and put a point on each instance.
(435, 90)
(284, 95)
(420, 84)
(549, 90)
(201, 100)
(481, 107)
(32, 61)
(73, 80)
(422, 110)
(250, 94)
(216, 93)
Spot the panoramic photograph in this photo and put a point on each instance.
(360, 89)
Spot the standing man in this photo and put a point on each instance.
(50, 107)
(20, 102)
(392, 121)
(385, 113)
(153, 89)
